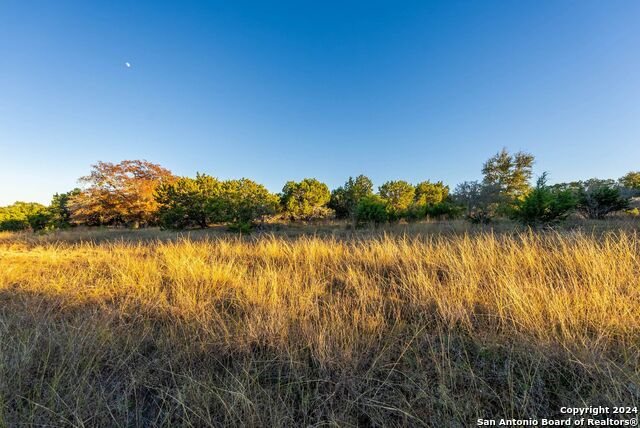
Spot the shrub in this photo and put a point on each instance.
(399, 196)
(428, 193)
(345, 199)
(597, 198)
(60, 211)
(189, 202)
(543, 205)
(20, 215)
(305, 200)
(245, 201)
(631, 180)
(443, 210)
(480, 202)
(371, 210)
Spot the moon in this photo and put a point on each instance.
(127, 64)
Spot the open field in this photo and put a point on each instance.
(416, 325)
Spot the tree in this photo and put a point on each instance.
(120, 193)
(431, 193)
(59, 209)
(399, 195)
(431, 199)
(543, 205)
(510, 174)
(371, 209)
(597, 198)
(344, 199)
(480, 201)
(189, 202)
(21, 216)
(242, 202)
(306, 199)
(631, 180)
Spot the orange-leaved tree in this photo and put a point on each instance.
(119, 194)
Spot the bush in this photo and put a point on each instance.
(345, 199)
(598, 198)
(13, 225)
(305, 200)
(60, 211)
(443, 210)
(543, 205)
(21, 215)
(189, 202)
(371, 210)
(428, 193)
(399, 196)
(245, 201)
(479, 201)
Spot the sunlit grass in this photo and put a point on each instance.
(413, 329)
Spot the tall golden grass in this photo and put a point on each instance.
(273, 331)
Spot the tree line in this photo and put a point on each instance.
(136, 193)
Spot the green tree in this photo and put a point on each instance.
(21, 216)
(344, 199)
(371, 209)
(431, 193)
(631, 180)
(306, 199)
(597, 198)
(399, 196)
(243, 201)
(543, 205)
(510, 174)
(189, 202)
(59, 209)
(479, 201)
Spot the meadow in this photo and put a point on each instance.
(426, 324)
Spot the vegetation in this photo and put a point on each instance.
(480, 201)
(399, 195)
(544, 205)
(631, 180)
(136, 193)
(305, 200)
(189, 202)
(372, 209)
(20, 216)
(378, 330)
(344, 199)
(597, 198)
(119, 194)
(510, 174)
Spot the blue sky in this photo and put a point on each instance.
(276, 91)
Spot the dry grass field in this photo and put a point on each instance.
(424, 326)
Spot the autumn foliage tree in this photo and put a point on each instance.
(119, 194)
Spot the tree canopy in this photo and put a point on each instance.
(344, 199)
(121, 193)
(510, 174)
(306, 199)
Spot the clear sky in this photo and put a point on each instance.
(276, 91)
